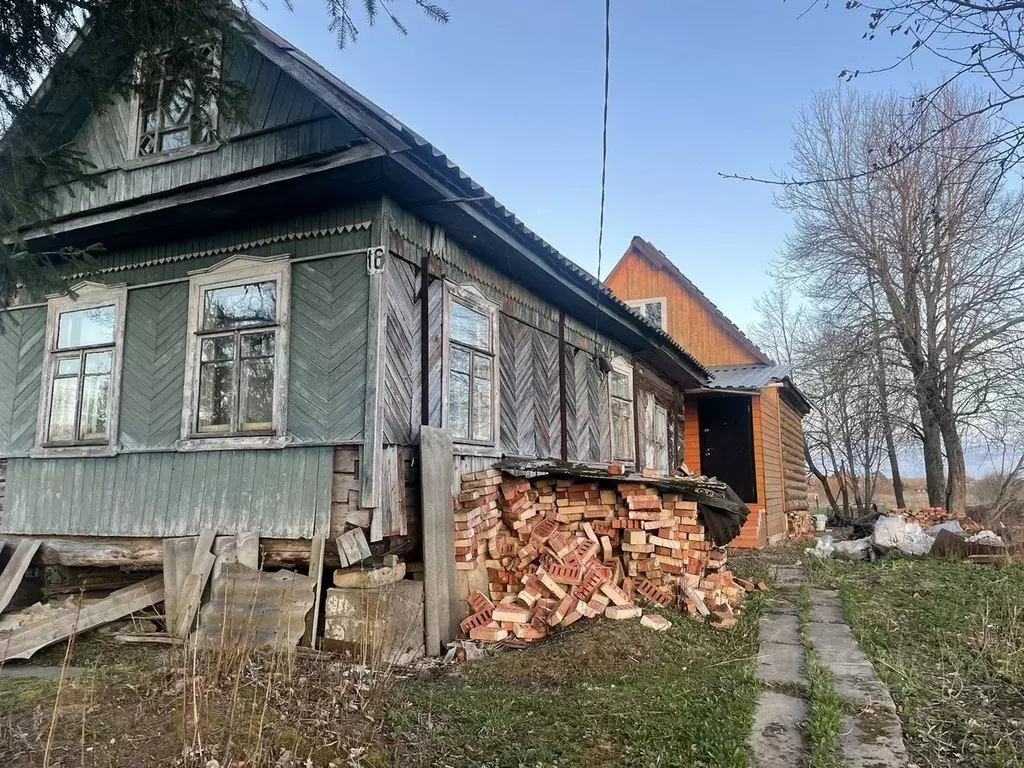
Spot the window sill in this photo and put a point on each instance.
(175, 154)
(74, 452)
(270, 443)
(475, 449)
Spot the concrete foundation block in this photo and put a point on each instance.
(378, 625)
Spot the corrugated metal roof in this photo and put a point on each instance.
(751, 377)
(475, 193)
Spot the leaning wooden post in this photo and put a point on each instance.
(441, 586)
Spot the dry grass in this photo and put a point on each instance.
(948, 640)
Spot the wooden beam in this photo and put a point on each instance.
(373, 422)
(316, 575)
(148, 553)
(441, 585)
(561, 387)
(195, 583)
(22, 643)
(12, 575)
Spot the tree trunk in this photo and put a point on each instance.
(956, 488)
(823, 479)
(934, 472)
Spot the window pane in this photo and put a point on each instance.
(68, 366)
(469, 327)
(98, 362)
(620, 385)
(216, 396)
(458, 406)
(220, 348)
(460, 360)
(622, 429)
(95, 406)
(653, 311)
(175, 139)
(257, 394)
(240, 305)
(482, 367)
(86, 328)
(482, 409)
(63, 405)
(258, 344)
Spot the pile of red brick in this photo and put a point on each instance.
(557, 550)
(800, 526)
(930, 516)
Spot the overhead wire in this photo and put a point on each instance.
(604, 156)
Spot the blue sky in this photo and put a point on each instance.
(511, 90)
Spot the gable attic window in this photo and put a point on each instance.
(171, 116)
(82, 372)
(620, 391)
(471, 382)
(236, 370)
(652, 310)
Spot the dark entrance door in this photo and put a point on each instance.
(727, 443)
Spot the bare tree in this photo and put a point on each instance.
(937, 238)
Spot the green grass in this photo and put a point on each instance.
(947, 638)
(606, 694)
(826, 712)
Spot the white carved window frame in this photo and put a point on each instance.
(639, 306)
(622, 366)
(237, 270)
(471, 297)
(82, 296)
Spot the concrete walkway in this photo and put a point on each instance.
(873, 735)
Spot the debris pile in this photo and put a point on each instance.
(932, 516)
(558, 549)
(800, 526)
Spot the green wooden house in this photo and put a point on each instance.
(282, 303)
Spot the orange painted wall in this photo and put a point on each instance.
(690, 323)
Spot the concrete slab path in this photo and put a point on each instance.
(873, 734)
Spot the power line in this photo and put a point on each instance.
(604, 153)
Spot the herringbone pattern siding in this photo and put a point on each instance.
(435, 360)
(530, 419)
(328, 350)
(21, 368)
(587, 408)
(402, 355)
(155, 335)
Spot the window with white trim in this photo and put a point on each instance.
(652, 310)
(620, 391)
(82, 370)
(471, 374)
(238, 338)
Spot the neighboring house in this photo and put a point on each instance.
(745, 426)
(282, 304)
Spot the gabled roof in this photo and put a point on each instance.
(443, 194)
(660, 260)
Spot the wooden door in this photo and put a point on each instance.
(727, 443)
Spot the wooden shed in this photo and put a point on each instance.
(745, 426)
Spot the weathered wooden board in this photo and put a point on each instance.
(191, 594)
(22, 643)
(441, 588)
(316, 576)
(12, 575)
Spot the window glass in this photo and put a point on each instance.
(95, 406)
(482, 414)
(470, 327)
(653, 311)
(620, 385)
(216, 395)
(240, 306)
(68, 366)
(622, 429)
(86, 328)
(63, 407)
(458, 407)
(256, 387)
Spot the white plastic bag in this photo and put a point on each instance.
(823, 548)
(893, 532)
(853, 550)
(988, 538)
(953, 526)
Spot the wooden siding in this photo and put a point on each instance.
(530, 417)
(327, 379)
(794, 470)
(691, 435)
(152, 388)
(771, 451)
(279, 494)
(588, 418)
(284, 122)
(402, 344)
(688, 321)
(21, 368)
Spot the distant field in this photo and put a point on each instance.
(914, 494)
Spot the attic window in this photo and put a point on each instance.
(169, 116)
(652, 310)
